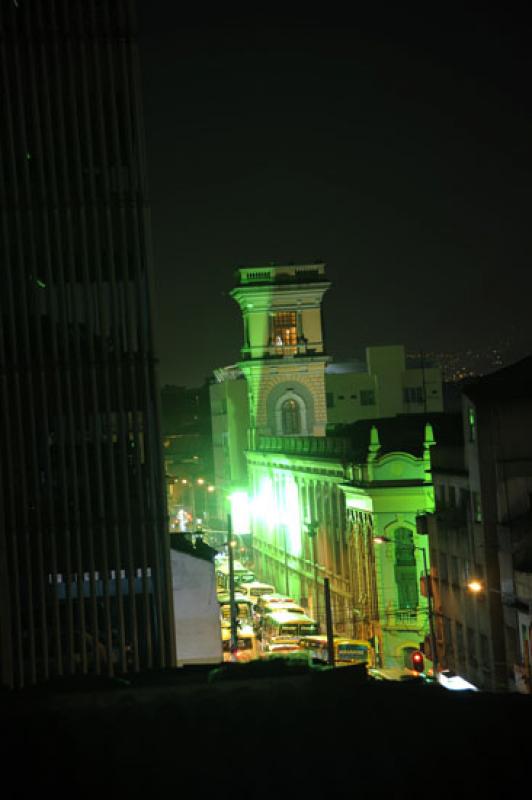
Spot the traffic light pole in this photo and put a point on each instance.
(329, 623)
(232, 604)
(434, 652)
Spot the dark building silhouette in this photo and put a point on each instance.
(84, 565)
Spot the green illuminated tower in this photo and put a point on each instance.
(283, 356)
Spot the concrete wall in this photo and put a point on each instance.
(388, 377)
(196, 610)
(230, 423)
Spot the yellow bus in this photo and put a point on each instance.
(282, 630)
(247, 647)
(241, 573)
(346, 651)
(244, 610)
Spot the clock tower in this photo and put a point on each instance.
(283, 357)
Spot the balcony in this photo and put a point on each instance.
(278, 351)
(406, 619)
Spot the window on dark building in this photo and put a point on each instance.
(472, 647)
(477, 507)
(459, 640)
(367, 397)
(471, 424)
(484, 652)
(442, 564)
(454, 571)
(413, 394)
(448, 634)
(452, 496)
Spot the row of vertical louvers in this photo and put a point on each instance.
(83, 557)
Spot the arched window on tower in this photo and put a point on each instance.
(291, 417)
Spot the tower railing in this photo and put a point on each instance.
(324, 446)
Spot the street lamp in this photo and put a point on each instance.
(386, 540)
(477, 587)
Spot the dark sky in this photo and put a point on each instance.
(398, 151)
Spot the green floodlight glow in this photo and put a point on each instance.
(264, 506)
(271, 512)
(240, 513)
(291, 516)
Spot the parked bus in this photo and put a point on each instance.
(266, 602)
(255, 589)
(244, 610)
(346, 651)
(281, 630)
(247, 647)
(241, 573)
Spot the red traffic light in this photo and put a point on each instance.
(417, 661)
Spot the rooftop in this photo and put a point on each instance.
(403, 433)
(510, 383)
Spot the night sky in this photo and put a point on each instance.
(398, 151)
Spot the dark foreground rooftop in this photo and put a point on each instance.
(312, 734)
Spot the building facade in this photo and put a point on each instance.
(383, 385)
(84, 557)
(386, 496)
(316, 498)
(481, 534)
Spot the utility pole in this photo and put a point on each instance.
(434, 652)
(329, 623)
(311, 528)
(232, 604)
(286, 580)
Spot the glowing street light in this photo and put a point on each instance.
(477, 587)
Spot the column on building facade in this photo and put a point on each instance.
(362, 572)
(306, 544)
(314, 556)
